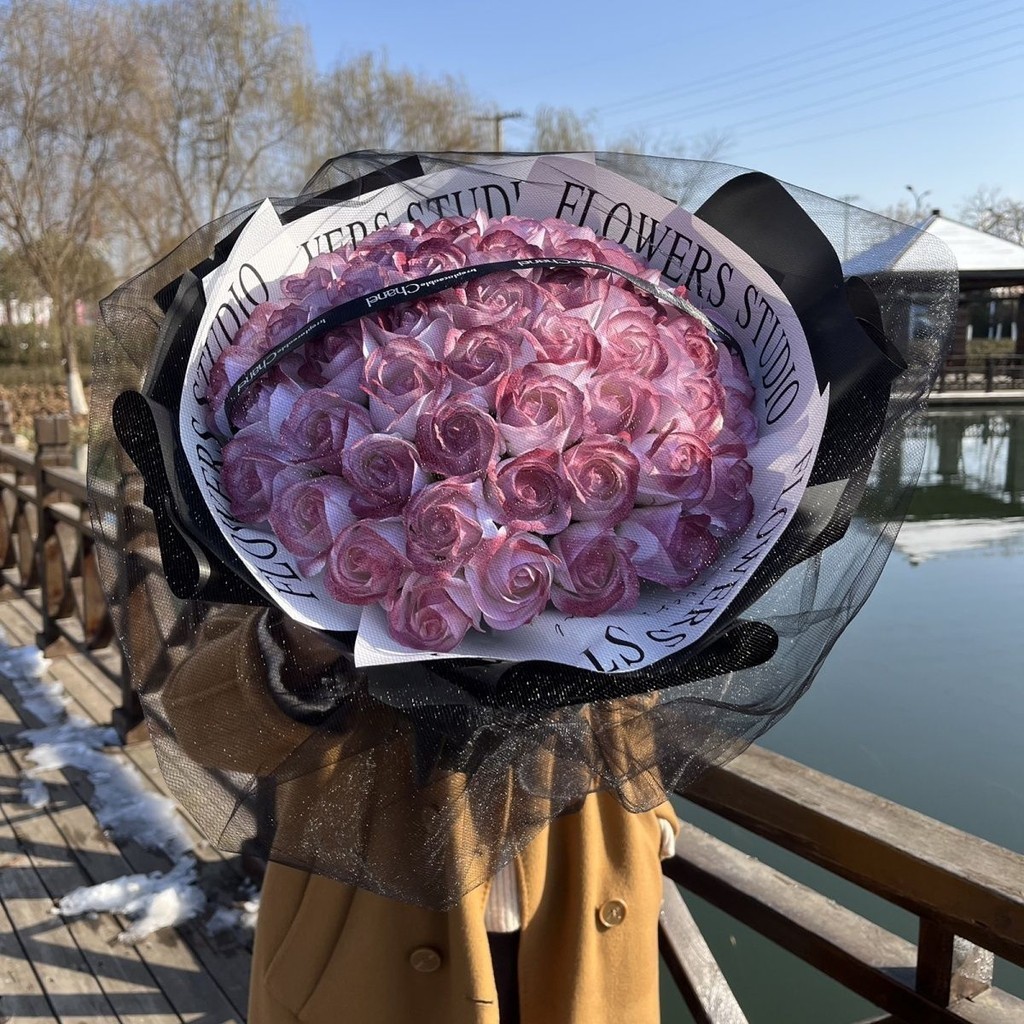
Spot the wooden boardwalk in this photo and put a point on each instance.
(75, 970)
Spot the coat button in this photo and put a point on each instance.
(425, 960)
(612, 913)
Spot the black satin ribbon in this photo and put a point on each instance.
(417, 288)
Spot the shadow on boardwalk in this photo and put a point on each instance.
(76, 969)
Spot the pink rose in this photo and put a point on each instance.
(366, 563)
(510, 576)
(620, 404)
(461, 231)
(728, 503)
(688, 346)
(562, 338)
(284, 321)
(594, 573)
(693, 403)
(538, 410)
(530, 493)
(432, 613)
(316, 278)
(307, 516)
(671, 547)
(457, 439)
(336, 360)
(575, 289)
(674, 466)
(398, 375)
(443, 525)
(319, 427)
(505, 245)
(434, 256)
(254, 405)
(503, 300)
(383, 473)
(603, 475)
(738, 417)
(480, 356)
(253, 470)
(630, 341)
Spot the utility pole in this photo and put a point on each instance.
(498, 118)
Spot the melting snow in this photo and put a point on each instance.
(122, 805)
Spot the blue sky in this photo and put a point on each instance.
(851, 100)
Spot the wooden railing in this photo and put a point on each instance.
(989, 373)
(48, 553)
(967, 894)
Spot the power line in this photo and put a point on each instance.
(813, 52)
(879, 58)
(834, 104)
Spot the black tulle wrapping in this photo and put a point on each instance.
(420, 781)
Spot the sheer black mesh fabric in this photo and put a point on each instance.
(419, 781)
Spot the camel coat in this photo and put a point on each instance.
(589, 888)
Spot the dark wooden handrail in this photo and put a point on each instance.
(968, 894)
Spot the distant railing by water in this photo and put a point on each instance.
(967, 894)
(989, 373)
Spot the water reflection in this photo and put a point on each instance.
(970, 495)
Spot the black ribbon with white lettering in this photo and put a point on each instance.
(409, 291)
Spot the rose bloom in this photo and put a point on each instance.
(728, 503)
(457, 439)
(510, 576)
(480, 356)
(674, 466)
(505, 245)
(671, 547)
(366, 563)
(252, 469)
(432, 613)
(621, 404)
(319, 427)
(530, 493)
(688, 345)
(443, 525)
(434, 256)
(575, 289)
(564, 339)
(336, 361)
(383, 472)
(538, 410)
(594, 573)
(603, 475)
(398, 375)
(307, 516)
(693, 404)
(315, 278)
(630, 341)
(502, 300)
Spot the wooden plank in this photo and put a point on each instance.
(859, 954)
(217, 972)
(119, 970)
(923, 865)
(21, 993)
(691, 963)
(73, 991)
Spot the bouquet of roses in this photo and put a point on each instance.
(604, 474)
(542, 435)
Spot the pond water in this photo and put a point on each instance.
(921, 701)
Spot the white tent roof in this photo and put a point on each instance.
(974, 249)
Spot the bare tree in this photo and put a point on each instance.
(365, 104)
(66, 73)
(218, 120)
(989, 210)
(562, 130)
